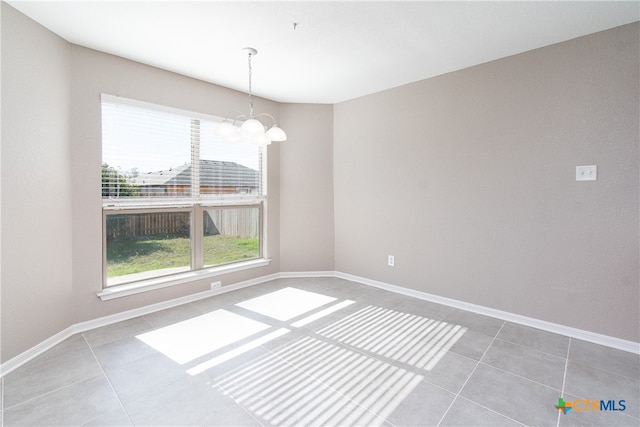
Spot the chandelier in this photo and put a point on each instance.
(252, 130)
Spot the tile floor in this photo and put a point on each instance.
(319, 352)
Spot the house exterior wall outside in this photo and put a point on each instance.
(36, 266)
(468, 179)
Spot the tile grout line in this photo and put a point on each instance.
(519, 376)
(492, 410)
(533, 348)
(564, 377)
(471, 374)
(598, 368)
(104, 374)
(31, 399)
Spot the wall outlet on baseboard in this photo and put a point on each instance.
(216, 285)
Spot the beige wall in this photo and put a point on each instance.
(469, 180)
(36, 203)
(306, 188)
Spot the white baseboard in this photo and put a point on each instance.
(617, 343)
(50, 342)
(33, 352)
(300, 274)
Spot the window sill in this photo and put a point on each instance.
(177, 279)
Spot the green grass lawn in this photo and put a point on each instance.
(139, 255)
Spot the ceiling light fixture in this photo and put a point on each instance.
(252, 130)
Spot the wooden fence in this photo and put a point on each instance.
(239, 222)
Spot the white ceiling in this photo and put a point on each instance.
(338, 51)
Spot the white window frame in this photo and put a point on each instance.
(195, 205)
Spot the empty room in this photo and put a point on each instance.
(341, 213)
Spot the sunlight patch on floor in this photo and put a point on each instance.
(237, 351)
(196, 337)
(323, 313)
(286, 303)
(408, 338)
(314, 382)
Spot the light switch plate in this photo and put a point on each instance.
(587, 173)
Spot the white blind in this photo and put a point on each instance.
(155, 153)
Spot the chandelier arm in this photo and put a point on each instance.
(239, 116)
(275, 123)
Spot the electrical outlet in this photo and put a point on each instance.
(216, 285)
(587, 173)
(391, 261)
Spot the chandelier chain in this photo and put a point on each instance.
(250, 93)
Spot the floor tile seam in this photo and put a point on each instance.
(520, 376)
(457, 353)
(144, 395)
(35, 362)
(469, 377)
(564, 378)
(402, 365)
(201, 310)
(173, 322)
(532, 348)
(471, 328)
(634, 379)
(91, 345)
(230, 396)
(31, 399)
(492, 410)
(106, 377)
(378, 356)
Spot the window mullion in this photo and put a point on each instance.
(197, 235)
(195, 159)
(196, 212)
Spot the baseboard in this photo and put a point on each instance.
(300, 274)
(141, 311)
(613, 342)
(50, 342)
(35, 351)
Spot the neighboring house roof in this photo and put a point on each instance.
(213, 173)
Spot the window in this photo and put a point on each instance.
(175, 197)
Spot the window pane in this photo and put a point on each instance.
(231, 235)
(227, 168)
(147, 245)
(145, 152)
